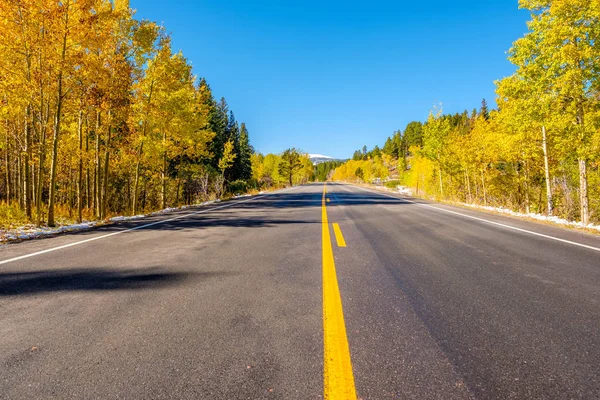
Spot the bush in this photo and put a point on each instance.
(392, 184)
(237, 187)
(12, 216)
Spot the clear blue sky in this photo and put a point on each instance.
(330, 76)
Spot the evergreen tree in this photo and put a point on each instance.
(397, 144)
(474, 114)
(484, 111)
(290, 163)
(323, 170)
(388, 147)
(413, 136)
(207, 106)
(233, 134)
(219, 123)
(244, 162)
(376, 152)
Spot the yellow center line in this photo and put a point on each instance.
(338, 380)
(338, 235)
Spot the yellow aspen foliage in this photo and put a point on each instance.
(99, 116)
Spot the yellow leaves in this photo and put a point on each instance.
(228, 157)
(258, 166)
(362, 170)
(265, 169)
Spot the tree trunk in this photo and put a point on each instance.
(33, 186)
(19, 181)
(27, 161)
(54, 164)
(87, 166)
(43, 122)
(57, 125)
(98, 180)
(144, 194)
(40, 177)
(526, 188)
(80, 170)
(164, 174)
(177, 192)
(105, 174)
(7, 162)
(128, 194)
(140, 152)
(136, 182)
(69, 191)
(94, 185)
(483, 186)
(27, 156)
(441, 182)
(468, 185)
(547, 173)
(583, 192)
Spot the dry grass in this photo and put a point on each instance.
(12, 216)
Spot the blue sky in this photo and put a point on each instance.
(330, 76)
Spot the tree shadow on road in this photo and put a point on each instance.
(48, 281)
(235, 213)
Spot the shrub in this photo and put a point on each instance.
(392, 184)
(237, 187)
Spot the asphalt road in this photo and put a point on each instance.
(228, 302)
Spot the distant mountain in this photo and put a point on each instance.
(320, 158)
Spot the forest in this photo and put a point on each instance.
(538, 152)
(99, 117)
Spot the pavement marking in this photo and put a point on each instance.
(487, 221)
(339, 238)
(37, 253)
(338, 379)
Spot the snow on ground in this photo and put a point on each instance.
(406, 191)
(539, 217)
(33, 232)
(403, 190)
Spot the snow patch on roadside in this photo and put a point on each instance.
(539, 217)
(33, 232)
(501, 210)
(128, 218)
(406, 191)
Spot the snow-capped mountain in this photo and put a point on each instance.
(320, 158)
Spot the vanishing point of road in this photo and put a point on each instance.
(317, 291)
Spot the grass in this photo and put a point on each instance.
(12, 216)
(392, 184)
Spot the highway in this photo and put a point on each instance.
(317, 291)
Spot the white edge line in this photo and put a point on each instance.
(485, 220)
(37, 253)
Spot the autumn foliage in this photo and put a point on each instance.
(539, 151)
(98, 115)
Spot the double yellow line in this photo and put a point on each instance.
(338, 380)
